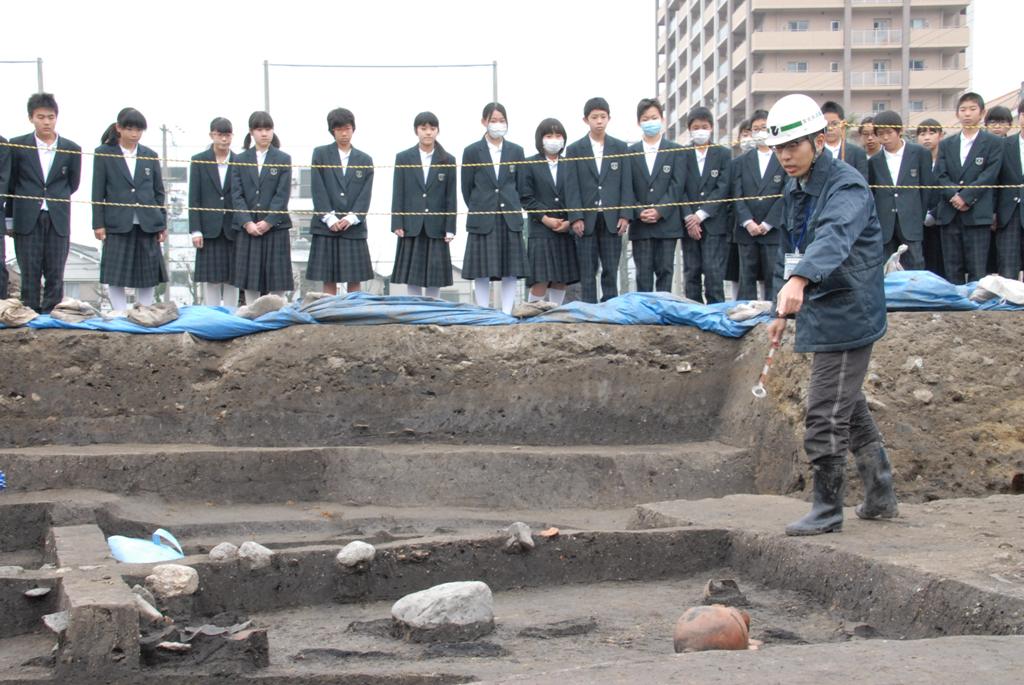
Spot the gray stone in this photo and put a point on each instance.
(442, 650)
(924, 396)
(566, 628)
(57, 622)
(520, 539)
(255, 555)
(225, 551)
(450, 612)
(37, 592)
(144, 594)
(172, 580)
(356, 552)
(725, 591)
(10, 570)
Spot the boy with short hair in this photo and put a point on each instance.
(928, 135)
(599, 176)
(901, 210)
(705, 214)
(868, 137)
(967, 163)
(1009, 241)
(835, 139)
(45, 165)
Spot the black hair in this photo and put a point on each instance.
(758, 115)
(833, 107)
(999, 114)
(260, 119)
(646, 104)
(929, 126)
(888, 119)
(1020, 107)
(596, 103)
(545, 127)
(745, 125)
(339, 118)
(866, 121)
(699, 113)
(129, 117)
(221, 125)
(971, 97)
(490, 108)
(441, 155)
(42, 101)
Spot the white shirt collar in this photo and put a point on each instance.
(764, 153)
(494, 148)
(49, 147)
(594, 143)
(965, 140)
(895, 155)
(129, 153)
(425, 156)
(652, 147)
(343, 154)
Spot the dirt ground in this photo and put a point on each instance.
(945, 389)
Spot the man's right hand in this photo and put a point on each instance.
(775, 330)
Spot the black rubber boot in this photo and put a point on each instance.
(876, 472)
(826, 515)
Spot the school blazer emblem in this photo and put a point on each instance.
(440, 176)
(714, 173)
(777, 178)
(913, 173)
(667, 169)
(614, 166)
(64, 171)
(979, 161)
(273, 171)
(147, 171)
(359, 173)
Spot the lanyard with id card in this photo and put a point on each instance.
(792, 259)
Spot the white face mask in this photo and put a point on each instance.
(760, 137)
(497, 130)
(747, 144)
(700, 136)
(553, 146)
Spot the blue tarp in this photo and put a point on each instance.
(904, 290)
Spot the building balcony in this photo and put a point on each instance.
(875, 3)
(937, 3)
(940, 79)
(953, 37)
(739, 56)
(773, 5)
(739, 95)
(792, 41)
(876, 79)
(739, 14)
(795, 82)
(876, 38)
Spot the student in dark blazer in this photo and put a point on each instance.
(132, 228)
(835, 139)
(901, 211)
(43, 164)
(1010, 223)
(494, 247)
(261, 183)
(757, 174)
(707, 184)
(657, 171)
(342, 180)
(599, 176)
(424, 201)
(550, 248)
(5, 174)
(928, 135)
(214, 232)
(967, 163)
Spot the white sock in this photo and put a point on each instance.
(251, 296)
(482, 288)
(145, 296)
(212, 293)
(414, 290)
(556, 296)
(118, 298)
(508, 293)
(432, 292)
(534, 298)
(230, 296)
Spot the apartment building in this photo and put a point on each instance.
(737, 56)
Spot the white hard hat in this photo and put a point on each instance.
(794, 116)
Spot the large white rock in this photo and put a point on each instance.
(225, 551)
(451, 612)
(356, 552)
(172, 580)
(255, 555)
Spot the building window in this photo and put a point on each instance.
(880, 65)
(833, 67)
(917, 106)
(836, 25)
(796, 67)
(797, 25)
(879, 106)
(305, 183)
(917, 65)
(918, 24)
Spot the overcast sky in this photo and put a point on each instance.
(183, 63)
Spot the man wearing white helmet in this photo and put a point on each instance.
(829, 277)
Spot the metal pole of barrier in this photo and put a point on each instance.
(39, 73)
(266, 86)
(494, 79)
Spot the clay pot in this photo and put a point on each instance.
(711, 627)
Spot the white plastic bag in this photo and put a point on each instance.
(139, 551)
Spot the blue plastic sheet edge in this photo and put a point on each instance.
(904, 291)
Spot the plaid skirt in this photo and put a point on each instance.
(423, 261)
(215, 262)
(132, 260)
(333, 259)
(495, 255)
(552, 259)
(264, 262)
